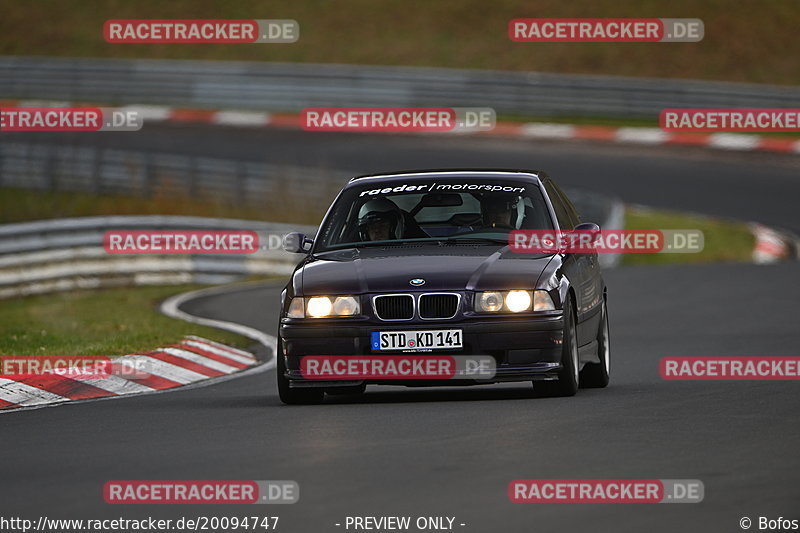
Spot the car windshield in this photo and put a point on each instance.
(452, 210)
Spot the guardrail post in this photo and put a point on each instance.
(49, 169)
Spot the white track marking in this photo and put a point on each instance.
(171, 307)
(240, 118)
(116, 384)
(200, 360)
(548, 131)
(167, 370)
(641, 135)
(223, 353)
(243, 353)
(23, 394)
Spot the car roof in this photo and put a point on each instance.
(534, 176)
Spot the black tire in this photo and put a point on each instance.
(567, 384)
(596, 375)
(294, 396)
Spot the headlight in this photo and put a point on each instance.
(324, 306)
(319, 306)
(490, 301)
(542, 301)
(346, 306)
(296, 308)
(516, 301)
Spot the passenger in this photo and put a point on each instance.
(498, 211)
(380, 220)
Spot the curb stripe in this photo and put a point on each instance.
(224, 347)
(116, 385)
(7, 405)
(214, 356)
(770, 246)
(218, 351)
(201, 361)
(169, 371)
(625, 135)
(154, 382)
(64, 386)
(24, 395)
(166, 368)
(183, 363)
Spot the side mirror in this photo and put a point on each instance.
(297, 243)
(588, 226)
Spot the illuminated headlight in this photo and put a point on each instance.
(517, 301)
(324, 306)
(319, 306)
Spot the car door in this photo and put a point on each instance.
(581, 269)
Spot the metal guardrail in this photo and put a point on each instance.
(99, 170)
(291, 87)
(66, 254)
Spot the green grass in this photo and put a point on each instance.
(725, 240)
(746, 40)
(98, 322)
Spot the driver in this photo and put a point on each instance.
(380, 219)
(499, 210)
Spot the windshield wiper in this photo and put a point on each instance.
(366, 244)
(473, 240)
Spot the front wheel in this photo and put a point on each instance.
(291, 396)
(567, 384)
(596, 375)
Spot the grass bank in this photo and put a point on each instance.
(97, 322)
(746, 41)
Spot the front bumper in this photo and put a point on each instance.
(524, 348)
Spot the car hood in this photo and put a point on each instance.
(459, 267)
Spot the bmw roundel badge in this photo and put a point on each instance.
(417, 282)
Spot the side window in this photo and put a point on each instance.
(571, 211)
(562, 214)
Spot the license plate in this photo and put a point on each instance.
(438, 339)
